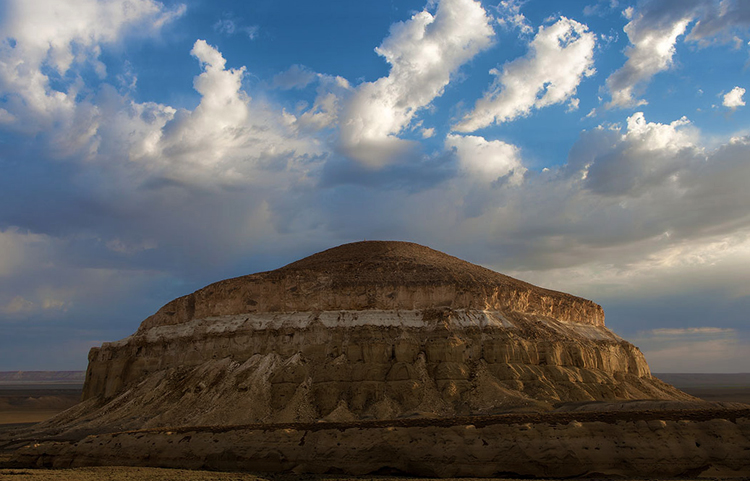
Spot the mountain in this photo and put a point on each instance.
(369, 330)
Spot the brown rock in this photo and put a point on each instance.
(364, 330)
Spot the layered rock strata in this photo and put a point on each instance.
(678, 445)
(364, 330)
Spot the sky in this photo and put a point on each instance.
(598, 147)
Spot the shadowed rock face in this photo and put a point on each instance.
(364, 330)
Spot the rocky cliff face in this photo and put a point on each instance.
(364, 330)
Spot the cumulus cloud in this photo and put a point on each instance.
(138, 174)
(733, 98)
(559, 57)
(204, 135)
(510, 16)
(486, 160)
(228, 138)
(424, 52)
(639, 212)
(654, 29)
(648, 154)
(332, 93)
(60, 34)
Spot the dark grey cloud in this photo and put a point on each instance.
(720, 20)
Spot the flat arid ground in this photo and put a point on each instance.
(157, 474)
(35, 403)
(712, 387)
(119, 473)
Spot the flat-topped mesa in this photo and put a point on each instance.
(376, 275)
(363, 330)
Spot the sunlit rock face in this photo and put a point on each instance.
(365, 330)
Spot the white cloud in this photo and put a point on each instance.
(648, 154)
(486, 160)
(62, 34)
(653, 31)
(733, 98)
(424, 52)
(573, 104)
(324, 113)
(652, 34)
(204, 135)
(510, 16)
(227, 138)
(559, 56)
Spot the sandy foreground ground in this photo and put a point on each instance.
(116, 473)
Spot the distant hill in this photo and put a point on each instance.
(42, 377)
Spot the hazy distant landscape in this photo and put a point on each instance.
(28, 378)
(34, 396)
(712, 387)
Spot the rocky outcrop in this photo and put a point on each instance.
(365, 330)
(629, 445)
